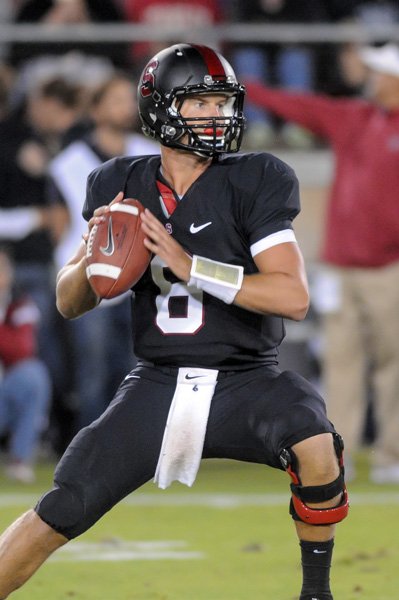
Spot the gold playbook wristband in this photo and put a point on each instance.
(216, 278)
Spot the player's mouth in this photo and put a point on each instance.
(210, 132)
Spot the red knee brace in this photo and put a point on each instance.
(318, 493)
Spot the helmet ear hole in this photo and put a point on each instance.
(186, 69)
(169, 131)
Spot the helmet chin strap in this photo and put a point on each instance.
(201, 154)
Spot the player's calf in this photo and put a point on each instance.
(24, 546)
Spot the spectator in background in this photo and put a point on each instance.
(369, 12)
(74, 68)
(32, 226)
(290, 65)
(59, 12)
(24, 380)
(100, 349)
(364, 12)
(181, 13)
(359, 294)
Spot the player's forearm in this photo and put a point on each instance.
(74, 294)
(278, 294)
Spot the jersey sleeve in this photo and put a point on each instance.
(99, 188)
(269, 210)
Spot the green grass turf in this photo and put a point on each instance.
(247, 552)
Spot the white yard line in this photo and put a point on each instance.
(218, 501)
(122, 550)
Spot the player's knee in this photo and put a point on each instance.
(318, 459)
(63, 509)
(323, 504)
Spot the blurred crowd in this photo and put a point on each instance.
(67, 107)
(329, 68)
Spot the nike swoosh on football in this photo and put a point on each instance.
(110, 248)
(194, 229)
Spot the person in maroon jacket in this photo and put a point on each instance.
(24, 380)
(361, 249)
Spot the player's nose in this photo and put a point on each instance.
(214, 110)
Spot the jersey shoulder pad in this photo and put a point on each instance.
(110, 178)
(252, 171)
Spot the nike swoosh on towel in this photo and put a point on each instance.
(194, 229)
(110, 248)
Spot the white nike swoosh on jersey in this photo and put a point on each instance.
(194, 229)
(319, 552)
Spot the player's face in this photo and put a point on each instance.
(205, 108)
(384, 88)
(51, 116)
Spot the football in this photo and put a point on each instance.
(116, 257)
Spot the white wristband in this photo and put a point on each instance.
(216, 278)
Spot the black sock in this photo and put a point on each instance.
(316, 563)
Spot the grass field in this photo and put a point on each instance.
(228, 538)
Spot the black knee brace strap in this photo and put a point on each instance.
(318, 493)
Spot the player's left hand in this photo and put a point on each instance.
(161, 243)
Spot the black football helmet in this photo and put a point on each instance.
(181, 70)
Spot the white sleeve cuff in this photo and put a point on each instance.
(280, 237)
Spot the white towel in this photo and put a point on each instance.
(185, 429)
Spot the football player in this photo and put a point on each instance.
(207, 322)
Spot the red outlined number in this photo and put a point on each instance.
(186, 324)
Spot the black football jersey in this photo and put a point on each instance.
(236, 204)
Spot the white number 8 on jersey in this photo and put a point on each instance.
(192, 318)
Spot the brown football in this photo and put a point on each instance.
(116, 257)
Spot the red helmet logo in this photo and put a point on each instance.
(148, 80)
